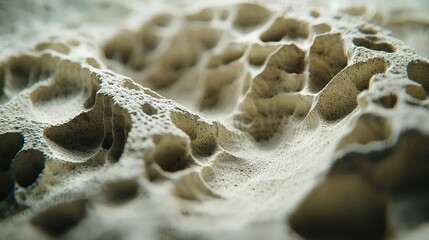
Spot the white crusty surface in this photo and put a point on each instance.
(195, 120)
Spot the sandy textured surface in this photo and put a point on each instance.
(190, 120)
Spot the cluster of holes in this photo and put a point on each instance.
(61, 92)
(179, 60)
(139, 51)
(17, 168)
(19, 73)
(161, 67)
(172, 154)
(104, 127)
(129, 48)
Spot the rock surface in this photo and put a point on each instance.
(162, 120)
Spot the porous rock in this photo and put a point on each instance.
(240, 120)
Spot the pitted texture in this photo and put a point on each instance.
(210, 122)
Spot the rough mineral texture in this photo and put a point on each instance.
(204, 120)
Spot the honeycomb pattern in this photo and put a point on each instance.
(244, 120)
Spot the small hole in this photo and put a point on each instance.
(122, 190)
(171, 154)
(371, 43)
(57, 220)
(367, 30)
(149, 110)
(315, 14)
(388, 101)
(27, 166)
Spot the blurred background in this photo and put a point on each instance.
(407, 19)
